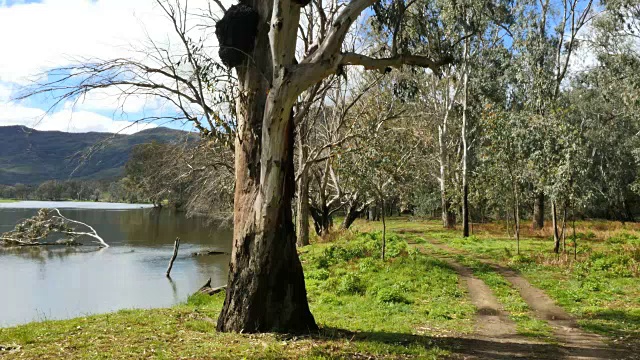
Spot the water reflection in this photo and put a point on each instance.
(60, 282)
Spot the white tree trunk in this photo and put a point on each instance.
(465, 185)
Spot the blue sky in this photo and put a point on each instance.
(47, 34)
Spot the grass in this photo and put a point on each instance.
(365, 308)
(410, 293)
(519, 312)
(7, 201)
(601, 288)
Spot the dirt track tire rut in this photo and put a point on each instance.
(574, 343)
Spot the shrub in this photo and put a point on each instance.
(319, 274)
(395, 246)
(351, 284)
(622, 238)
(369, 265)
(330, 284)
(394, 294)
(329, 299)
(520, 260)
(613, 265)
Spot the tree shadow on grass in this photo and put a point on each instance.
(608, 321)
(474, 348)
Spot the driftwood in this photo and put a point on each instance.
(12, 348)
(208, 290)
(210, 252)
(176, 246)
(32, 231)
(12, 243)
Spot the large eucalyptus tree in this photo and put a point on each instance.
(267, 77)
(266, 290)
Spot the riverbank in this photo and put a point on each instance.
(423, 302)
(364, 306)
(37, 204)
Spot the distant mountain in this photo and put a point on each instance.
(30, 156)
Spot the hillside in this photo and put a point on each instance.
(30, 157)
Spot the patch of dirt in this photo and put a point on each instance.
(491, 320)
(575, 343)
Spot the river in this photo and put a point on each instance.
(46, 283)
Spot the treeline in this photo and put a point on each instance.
(532, 112)
(515, 127)
(54, 190)
(196, 177)
(188, 176)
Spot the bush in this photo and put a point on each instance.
(521, 260)
(322, 262)
(364, 245)
(320, 274)
(392, 295)
(329, 299)
(613, 265)
(351, 284)
(369, 265)
(395, 246)
(622, 238)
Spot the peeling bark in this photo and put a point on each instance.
(266, 290)
(302, 200)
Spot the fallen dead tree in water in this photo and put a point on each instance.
(35, 230)
(208, 290)
(209, 252)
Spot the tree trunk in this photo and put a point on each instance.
(322, 220)
(508, 222)
(465, 185)
(302, 205)
(516, 217)
(266, 290)
(448, 216)
(384, 232)
(371, 213)
(556, 237)
(538, 212)
(443, 179)
(353, 212)
(176, 247)
(302, 208)
(564, 227)
(575, 239)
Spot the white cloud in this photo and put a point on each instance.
(65, 120)
(47, 34)
(5, 93)
(55, 33)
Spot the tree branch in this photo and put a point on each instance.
(397, 61)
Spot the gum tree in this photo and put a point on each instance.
(258, 41)
(266, 288)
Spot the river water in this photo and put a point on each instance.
(44, 283)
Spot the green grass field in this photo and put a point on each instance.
(601, 288)
(410, 306)
(364, 307)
